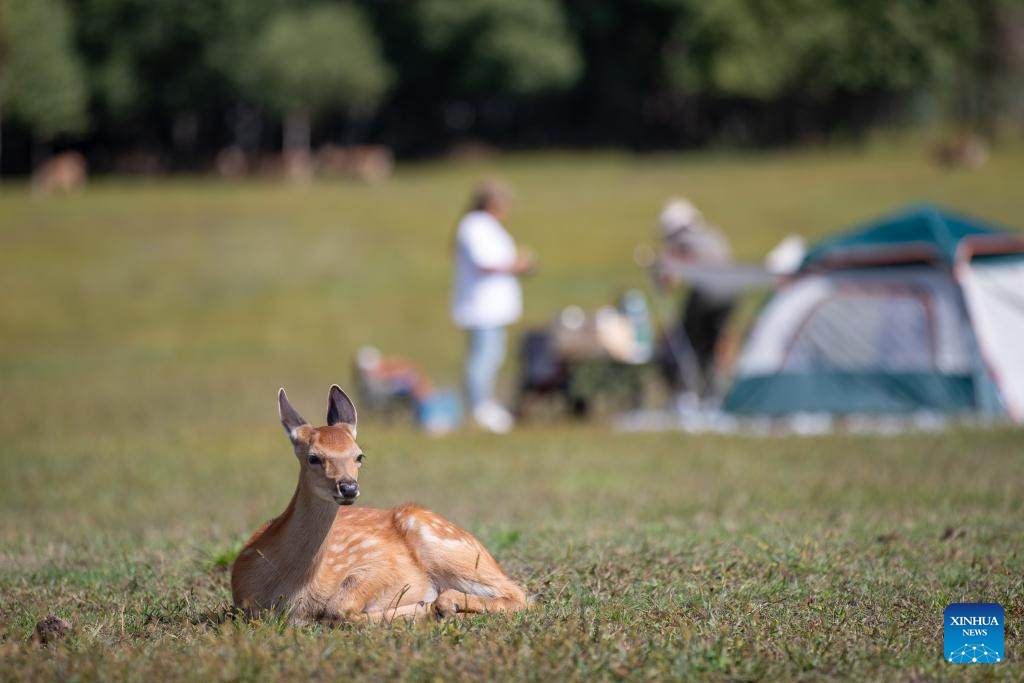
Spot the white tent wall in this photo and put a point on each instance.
(994, 293)
(907, 319)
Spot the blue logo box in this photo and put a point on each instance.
(973, 633)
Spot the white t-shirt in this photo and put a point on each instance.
(479, 298)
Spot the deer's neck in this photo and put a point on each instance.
(299, 536)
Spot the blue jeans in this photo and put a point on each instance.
(486, 353)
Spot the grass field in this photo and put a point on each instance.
(145, 328)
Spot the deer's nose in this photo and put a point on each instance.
(348, 489)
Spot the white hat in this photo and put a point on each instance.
(368, 357)
(678, 214)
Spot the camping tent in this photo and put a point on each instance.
(919, 311)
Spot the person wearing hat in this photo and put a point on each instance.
(687, 238)
(487, 297)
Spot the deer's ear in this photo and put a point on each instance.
(340, 409)
(290, 418)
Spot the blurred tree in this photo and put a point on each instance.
(311, 60)
(813, 65)
(150, 82)
(493, 46)
(987, 82)
(770, 49)
(623, 46)
(42, 83)
(229, 53)
(476, 69)
(189, 76)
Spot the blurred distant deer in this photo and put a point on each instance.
(961, 151)
(369, 163)
(322, 560)
(63, 172)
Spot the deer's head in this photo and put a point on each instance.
(329, 457)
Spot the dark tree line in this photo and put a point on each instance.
(177, 80)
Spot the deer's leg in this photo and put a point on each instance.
(474, 583)
(467, 576)
(417, 611)
(452, 602)
(471, 581)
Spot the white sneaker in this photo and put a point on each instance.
(493, 418)
(686, 402)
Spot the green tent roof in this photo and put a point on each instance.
(919, 232)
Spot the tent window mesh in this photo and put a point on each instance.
(873, 332)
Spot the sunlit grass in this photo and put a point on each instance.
(145, 328)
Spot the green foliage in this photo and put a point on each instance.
(42, 82)
(498, 47)
(319, 58)
(148, 58)
(649, 73)
(767, 50)
(223, 556)
(116, 83)
(229, 52)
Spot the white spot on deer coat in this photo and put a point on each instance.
(368, 543)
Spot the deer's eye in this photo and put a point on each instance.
(360, 458)
(315, 460)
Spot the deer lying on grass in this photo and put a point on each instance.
(322, 560)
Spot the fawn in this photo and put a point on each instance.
(322, 560)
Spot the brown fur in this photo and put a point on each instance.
(64, 172)
(321, 561)
(370, 163)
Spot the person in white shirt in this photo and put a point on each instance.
(487, 298)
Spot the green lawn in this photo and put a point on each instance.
(145, 328)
